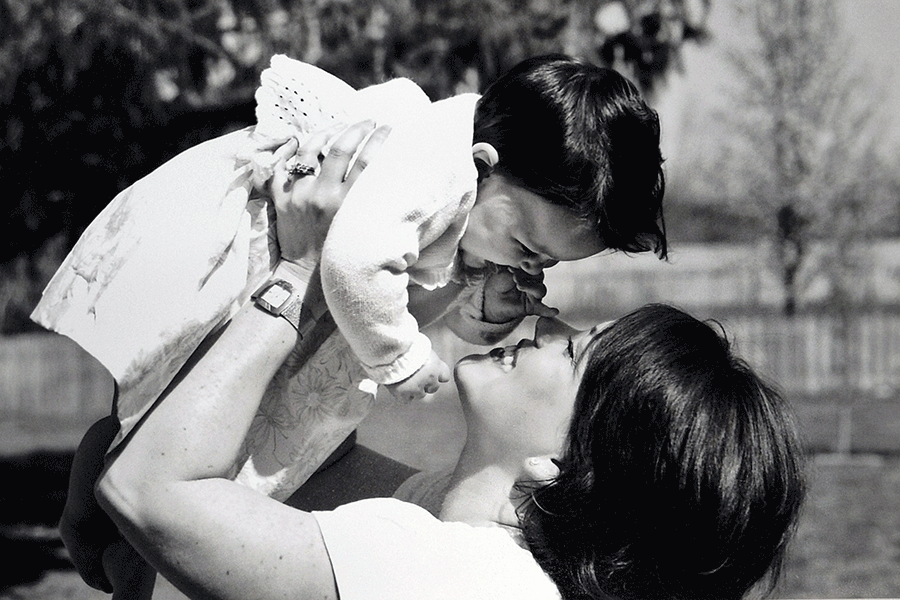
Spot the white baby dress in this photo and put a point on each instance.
(174, 256)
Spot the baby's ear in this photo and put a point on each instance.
(486, 153)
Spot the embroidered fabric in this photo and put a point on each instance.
(174, 256)
(295, 99)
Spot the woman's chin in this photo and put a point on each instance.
(463, 363)
(461, 369)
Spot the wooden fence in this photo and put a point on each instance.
(816, 353)
(49, 375)
(714, 277)
(812, 353)
(807, 354)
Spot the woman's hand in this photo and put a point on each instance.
(305, 203)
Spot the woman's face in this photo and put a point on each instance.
(522, 396)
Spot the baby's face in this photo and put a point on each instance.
(514, 227)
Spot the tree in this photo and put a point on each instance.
(806, 154)
(96, 93)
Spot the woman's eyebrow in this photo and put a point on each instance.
(589, 337)
(583, 345)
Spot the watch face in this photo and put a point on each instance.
(276, 296)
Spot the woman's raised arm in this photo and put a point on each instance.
(168, 488)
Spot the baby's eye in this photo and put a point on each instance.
(526, 250)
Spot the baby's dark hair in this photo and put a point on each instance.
(582, 137)
(682, 475)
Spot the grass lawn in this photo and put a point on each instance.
(848, 543)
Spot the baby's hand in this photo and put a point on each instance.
(512, 293)
(425, 381)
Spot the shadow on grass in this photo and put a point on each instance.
(31, 501)
(846, 546)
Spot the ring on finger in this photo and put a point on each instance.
(301, 170)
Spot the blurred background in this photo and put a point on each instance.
(781, 135)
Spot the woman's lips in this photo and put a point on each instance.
(505, 357)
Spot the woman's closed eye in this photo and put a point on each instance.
(570, 350)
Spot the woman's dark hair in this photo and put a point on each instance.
(683, 472)
(582, 137)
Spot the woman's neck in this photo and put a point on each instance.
(480, 493)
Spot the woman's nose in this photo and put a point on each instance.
(548, 328)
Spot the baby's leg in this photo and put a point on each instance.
(311, 406)
(102, 557)
(131, 576)
(84, 528)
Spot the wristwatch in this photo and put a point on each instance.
(277, 297)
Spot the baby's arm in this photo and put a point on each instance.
(511, 294)
(415, 195)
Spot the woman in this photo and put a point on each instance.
(639, 459)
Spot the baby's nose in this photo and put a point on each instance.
(531, 266)
(534, 265)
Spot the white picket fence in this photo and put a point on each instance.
(50, 375)
(808, 353)
(804, 354)
(42, 374)
(713, 277)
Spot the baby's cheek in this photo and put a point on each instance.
(470, 260)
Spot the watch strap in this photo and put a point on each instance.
(292, 311)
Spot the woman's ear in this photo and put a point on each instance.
(541, 468)
(486, 153)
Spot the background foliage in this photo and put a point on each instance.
(805, 151)
(97, 93)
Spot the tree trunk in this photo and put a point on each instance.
(791, 248)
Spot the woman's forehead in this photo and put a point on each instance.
(585, 338)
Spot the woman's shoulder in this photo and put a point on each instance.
(426, 489)
(387, 548)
